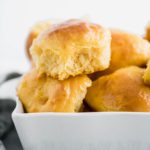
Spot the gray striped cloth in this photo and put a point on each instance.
(9, 139)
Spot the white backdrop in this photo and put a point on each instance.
(17, 16)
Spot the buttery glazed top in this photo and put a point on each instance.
(72, 48)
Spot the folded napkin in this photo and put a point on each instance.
(9, 139)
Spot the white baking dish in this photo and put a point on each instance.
(82, 131)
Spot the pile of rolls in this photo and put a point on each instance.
(80, 66)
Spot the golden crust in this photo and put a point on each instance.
(123, 90)
(72, 48)
(146, 76)
(35, 31)
(147, 36)
(45, 94)
(126, 50)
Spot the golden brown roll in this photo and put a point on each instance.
(147, 36)
(45, 94)
(35, 31)
(126, 50)
(72, 48)
(146, 76)
(123, 90)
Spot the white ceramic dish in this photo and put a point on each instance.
(80, 131)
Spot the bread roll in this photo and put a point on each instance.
(72, 48)
(45, 94)
(35, 31)
(123, 90)
(147, 36)
(126, 50)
